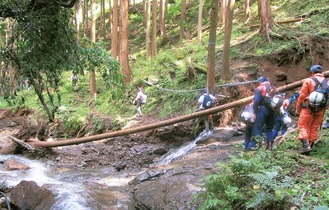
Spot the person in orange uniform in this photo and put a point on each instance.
(309, 119)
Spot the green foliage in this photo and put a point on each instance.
(94, 57)
(266, 181)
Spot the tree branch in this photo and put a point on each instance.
(14, 10)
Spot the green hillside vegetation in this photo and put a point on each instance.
(282, 179)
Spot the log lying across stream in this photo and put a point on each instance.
(66, 142)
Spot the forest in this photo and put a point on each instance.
(71, 69)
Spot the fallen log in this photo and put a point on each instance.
(194, 115)
(20, 142)
(282, 21)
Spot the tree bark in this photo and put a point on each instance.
(148, 29)
(145, 12)
(226, 75)
(151, 126)
(103, 19)
(222, 17)
(93, 39)
(114, 31)
(200, 21)
(182, 18)
(163, 13)
(265, 16)
(247, 11)
(154, 28)
(123, 56)
(85, 18)
(211, 46)
(77, 20)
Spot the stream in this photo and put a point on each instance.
(74, 188)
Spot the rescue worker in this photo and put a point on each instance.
(280, 117)
(309, 119)
(201, 105)
(139, 100)
(264, 115)
(247, 117)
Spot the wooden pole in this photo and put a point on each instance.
(194, 115)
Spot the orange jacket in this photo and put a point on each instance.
(307, 89)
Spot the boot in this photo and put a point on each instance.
(306, 146)
(269, 145)
(312, 144)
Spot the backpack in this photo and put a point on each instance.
(317, 98)
(143, 99)
(247, 114)
(207, 101)
(272, 99)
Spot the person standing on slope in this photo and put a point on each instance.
(310, 118)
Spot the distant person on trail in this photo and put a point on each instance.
(206, 101)
(74, 78)
(282, 118)
(264, 115)
(310, 110)
(139, 100)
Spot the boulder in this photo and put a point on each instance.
(28, 195)
(12, 164)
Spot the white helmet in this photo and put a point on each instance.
(246, 117)
(276, 102)
(316, 99)
(286, 120)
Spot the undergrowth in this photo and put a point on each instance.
(282, 179)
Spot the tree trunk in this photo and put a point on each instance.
(77, 20)
(163, 13)
(154, 28)
(145, 3)
(103, 19)
(265, 16)
(114, 31)
(123, 56)
(200, 21)
(222, 18)
(85, 18)
(93, 39)
(226, 75)
(172, 121)
(148, 29)
(38, 90)
(247, 11)
(182, 18)
(211, 47)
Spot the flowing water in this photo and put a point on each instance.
(174, 154)
(69, 185)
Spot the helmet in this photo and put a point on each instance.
(276, 102)
(316, 98)
(262, 79)
(247, 117)
(204, 90)
(316, 68)
(286, 120)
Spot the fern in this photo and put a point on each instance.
(256, 200)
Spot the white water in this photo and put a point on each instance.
(183, 150)
(66, 185)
